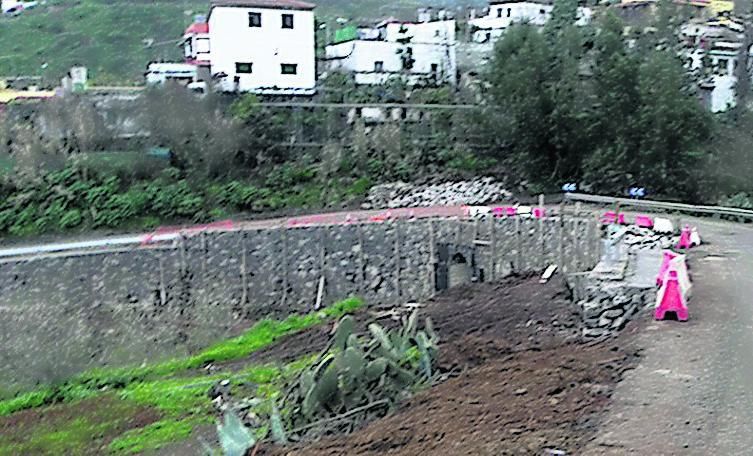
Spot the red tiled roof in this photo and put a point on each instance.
(197, 28)
(275, 4)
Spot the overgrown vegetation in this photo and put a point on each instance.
(354, 380)
(157, 404)
(580, 104)
(90, 383)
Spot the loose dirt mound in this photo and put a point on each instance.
(520, 381)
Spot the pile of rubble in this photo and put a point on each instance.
(637, 238)
(401, 194)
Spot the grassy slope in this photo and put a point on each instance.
(107, 35)
(130, 410)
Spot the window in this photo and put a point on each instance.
(202, 45)
(509, 12)
(287, 21)
(542, 11)
(254, 19)
(289, 68)
(378, 66)
(243, 67)
(434, 67)
(499, 12)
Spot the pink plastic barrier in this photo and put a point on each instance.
(671, 299)
(644, 221)
(666, 260)
(685, 241)
(539, 212)
(610, 217)
(504, 211)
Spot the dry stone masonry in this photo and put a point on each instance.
(401, 194)
(620, 286)
(62, 313)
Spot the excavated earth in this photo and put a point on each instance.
(518, 378)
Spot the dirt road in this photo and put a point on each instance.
(692, 392)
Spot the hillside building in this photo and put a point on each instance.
(503, 13)
(258, 46)
(419, 53)
(712, 51)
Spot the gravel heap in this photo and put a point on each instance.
(638, 238)
(401, 194)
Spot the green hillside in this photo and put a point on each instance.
(109, 36)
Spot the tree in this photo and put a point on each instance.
(673, 127)
(538, 102)
(610, 165)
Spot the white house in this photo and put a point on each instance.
(419, 53)
(715, 44)
(503, 14)
(16, 6)
(196, 42)
(262, 46)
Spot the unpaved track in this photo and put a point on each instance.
(692, 392)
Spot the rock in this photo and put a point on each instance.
(400, 194)
(618, 323)
(613, 313)
(520, 391)
(594, 332)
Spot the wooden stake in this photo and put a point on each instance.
(432, 259)
(493, 241)
(397, 259)
(518, 247)
(244, 272)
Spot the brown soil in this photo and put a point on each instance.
(520, 380)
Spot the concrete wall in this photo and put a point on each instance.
(63, 313)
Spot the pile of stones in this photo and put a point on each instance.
(400, 194)
(610, 306)
(637, 238)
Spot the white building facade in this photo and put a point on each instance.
(713, 49)
(503, 14)
(263, 46)
(422, 53)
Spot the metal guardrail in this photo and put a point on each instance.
(661, 205)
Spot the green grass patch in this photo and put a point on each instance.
(26, 401)
(261, 335)
(187, 405)
(81, 427)
(156, 435)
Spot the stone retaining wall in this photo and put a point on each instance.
(60, 314)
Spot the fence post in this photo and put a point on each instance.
(397, 259)
(284, 266)
(244, 271)
(518, 246)
(541, 234)
(322, 265)
(361, 265)
(432, 259)
(493, 243)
